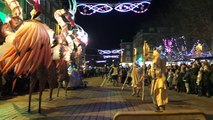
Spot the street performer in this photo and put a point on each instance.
(136, 83)
(158, 85)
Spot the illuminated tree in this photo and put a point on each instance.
(194, 19)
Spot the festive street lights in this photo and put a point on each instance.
(134, 6)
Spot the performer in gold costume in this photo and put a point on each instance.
(136, 83)
(158, 85)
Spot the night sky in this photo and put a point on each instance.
(106, 30)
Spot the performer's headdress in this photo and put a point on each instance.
(36, 8)
(34, 14)
(159, 63)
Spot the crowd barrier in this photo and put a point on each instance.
(160, 115)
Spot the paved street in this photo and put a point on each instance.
(95, 103)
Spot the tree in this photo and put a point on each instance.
(193, 19)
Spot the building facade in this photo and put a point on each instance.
(126, 53)
(152, 35)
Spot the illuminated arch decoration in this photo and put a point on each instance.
(107, 52)
(91, 8)
(104, 52)
(101, 61)
(110, 54)
(136, 7)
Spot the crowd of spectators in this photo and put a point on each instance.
(106, 71)
(194, 78)
(191, 78)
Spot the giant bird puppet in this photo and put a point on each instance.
(30, 46)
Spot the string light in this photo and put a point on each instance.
(101, 61)
(176, 48)
(168, 44)
(117, 51)
(137, 7)
(91, 8)
(110, 56)
(106, 52)
(195, 52)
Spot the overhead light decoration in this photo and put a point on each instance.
(104, 52)
(89, 9)
(107, 52)
(101, 61)
(117, 51)
(110, 56)
(135, 6)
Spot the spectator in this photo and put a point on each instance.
(211, 80)
(206, 81)
(105, 71)
(114, 74)
(180, 82)
(149, 76)
(174, 81)
(186, 79)
(194, 73)
(120, 73)
(170, 78)
(199, 82)
(124, 74)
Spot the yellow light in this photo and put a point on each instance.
(135, 51)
